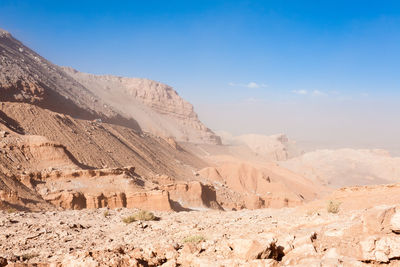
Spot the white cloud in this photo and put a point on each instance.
(300, 92)
(305, 92)
(249, 85)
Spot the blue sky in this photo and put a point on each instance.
(312, 69)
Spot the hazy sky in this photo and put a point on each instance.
(326, 72)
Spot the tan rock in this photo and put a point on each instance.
(192, 195)
(380, 249)
(395, 221)
(153, 200)
(377, 219)
(67, 200)
(249, 249)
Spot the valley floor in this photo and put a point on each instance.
(266, 237)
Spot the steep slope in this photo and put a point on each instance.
(35, 168)
(157, 107)
(103, 145)
(346, 167)
(27, 77)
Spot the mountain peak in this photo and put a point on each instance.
(4, 33)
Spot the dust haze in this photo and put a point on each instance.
(366, 122)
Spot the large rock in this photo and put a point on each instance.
(378, 219)
(380, 249)
(250, 249)
(192, 195)
(67, 200)
(395, 221)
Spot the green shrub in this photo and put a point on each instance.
(140, 216)
(333, 206)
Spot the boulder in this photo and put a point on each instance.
(380, 249)
(249, 249)
(377, 219)
(395, 221)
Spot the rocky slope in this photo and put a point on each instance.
(157, 107)
(75, 164)
(68, 131)
(27, 77)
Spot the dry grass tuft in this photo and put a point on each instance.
(28, 256)
(140, 216)
(11, 210)
(194, 239)
(333, 206)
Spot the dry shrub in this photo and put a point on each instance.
(140, 216)
(333, 206)
(194, 239)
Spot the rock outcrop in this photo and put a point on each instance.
(259, 186)
(155, 106)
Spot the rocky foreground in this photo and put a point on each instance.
(268, 237)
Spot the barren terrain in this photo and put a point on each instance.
(85, 159)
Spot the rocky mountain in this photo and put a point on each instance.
(74, 140)
(27, 77)
(155, 106)
(92, 153)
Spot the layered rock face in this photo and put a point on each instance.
(117, 188)
(157, 107)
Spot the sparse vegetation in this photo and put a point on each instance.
(333, 206)
(11, 210)
(106, 214)
(28, 256)
(140, 216)
(194, 239)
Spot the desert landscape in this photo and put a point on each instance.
(104, 170)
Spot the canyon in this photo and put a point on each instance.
(80, 152)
